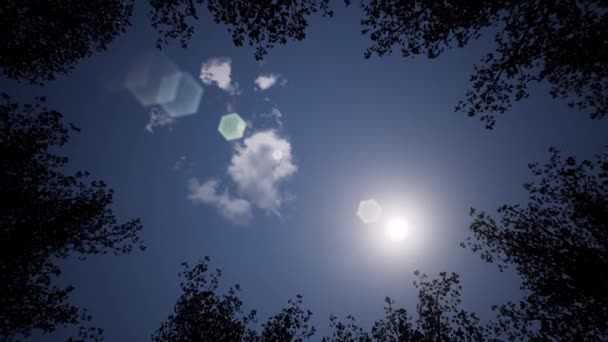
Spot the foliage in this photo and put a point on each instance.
(348, 331)
(558, 243)
(43, 39)
(291, 324)
(439, 317)
(563, 42)
(45, 216)
(263, 23)
(204, 313)
(201, 313)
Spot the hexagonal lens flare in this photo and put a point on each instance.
(369, 211)
(144, 80)
(187, 94)
(232, 126)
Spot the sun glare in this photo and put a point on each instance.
(397, 229)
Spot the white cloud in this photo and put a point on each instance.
(275, 114)
(181, 163)
(236, 210)
(158, 118)
(258, 167)
(257, 174)
(217, 71)
(264, 82)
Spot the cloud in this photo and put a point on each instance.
(264, 82)
(217, 71)
(181, 163)
(236, 210)
(258, 167)
(158, 118)
(275, 114)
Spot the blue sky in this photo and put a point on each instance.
(382, 128)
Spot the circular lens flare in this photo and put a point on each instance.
(277, 155)
(397, 229)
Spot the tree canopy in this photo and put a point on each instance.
(40, 40)
(558, 243)
(262, 24)
(439, 317)
(563, 42)
(46, 215)
(205, 313)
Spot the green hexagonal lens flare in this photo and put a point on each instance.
(232, 126)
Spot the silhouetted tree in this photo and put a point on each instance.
(263, 23)
(204, 313)
(563, 42)
(40, 40)
(439, 317)
(291, 324)
(558, 243)
(46, 215)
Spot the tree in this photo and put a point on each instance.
(201, 313)
(291, 324)
(263, 23)
(558, 243)
(563, 42)
(439, 317)
(204, 313)
(46, 215)
(40, 40)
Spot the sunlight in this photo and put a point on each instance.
(397, 229)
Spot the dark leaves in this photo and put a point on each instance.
(558, 243)
(562, 42)
(204, 312)
(41, 40)
(439, 317)
(261, 24)
(291, 324)
(46, 215)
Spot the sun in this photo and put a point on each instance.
(397, 229)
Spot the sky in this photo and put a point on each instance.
(283, 223)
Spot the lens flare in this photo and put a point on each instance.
(397, 229)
